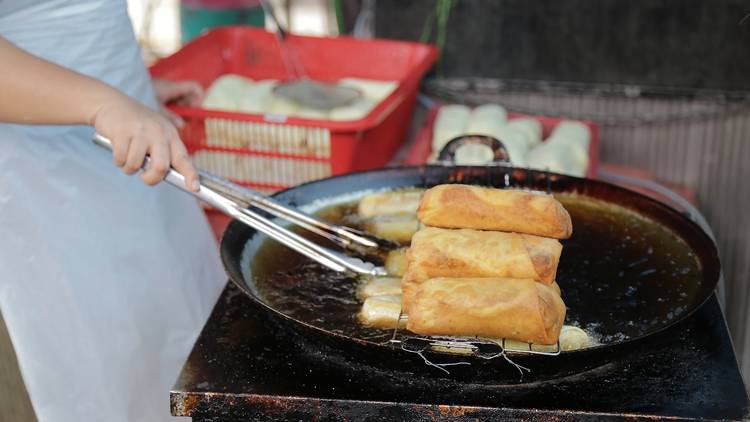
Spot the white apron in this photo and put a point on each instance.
(104, 282)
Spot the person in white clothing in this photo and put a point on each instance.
(105, 282)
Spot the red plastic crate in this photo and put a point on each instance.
(422, 147)
(273, 152)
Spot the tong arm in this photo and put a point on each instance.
(331, 259)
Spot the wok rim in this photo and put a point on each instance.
(710, 275)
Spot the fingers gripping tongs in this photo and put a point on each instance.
(234, 200)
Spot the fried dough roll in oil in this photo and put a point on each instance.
(381, 312)
(487, 307)
(509, 210)
(389, 203)
(396, 262)
(438, 252)
(396, 228)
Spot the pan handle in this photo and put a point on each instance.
(500, 156)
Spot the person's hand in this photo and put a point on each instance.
(185, 93)
(135, 130)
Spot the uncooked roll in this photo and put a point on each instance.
(380, 286)
(487, 307)
(389, 203)
(579, 157)
(359, 109)
(226, 92)
(485, 119)
(376, 91)
(283, 106)
(258, 97)
(311, 113)
(574, 137)
(474, 155)
(510, 210)
(396, 261)
(574, 132)
(396, 228)
(531, 128)
(489, 120)
(515, 143)
(381, 312)
(450, 122)
(373, 93)
(556, 157)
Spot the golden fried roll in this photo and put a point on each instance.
(436, 252)
(389, 203)
(487, 307)
(395, 262)
(510, 210)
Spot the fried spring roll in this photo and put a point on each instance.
(395, 262)
(389, 203)
(487, 307)
(381, 312)
(472, 207)
(436, 252)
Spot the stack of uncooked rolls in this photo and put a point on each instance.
(239, 94)
(482, 264)
(565, 151)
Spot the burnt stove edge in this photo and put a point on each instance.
(231, 406)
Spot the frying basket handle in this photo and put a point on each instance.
(500, 156)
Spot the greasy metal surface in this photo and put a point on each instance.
(657, 313)
(242, 369)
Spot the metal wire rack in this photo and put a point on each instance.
(465, 346)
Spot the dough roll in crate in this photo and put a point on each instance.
(272, 148)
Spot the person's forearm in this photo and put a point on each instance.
(35, 91)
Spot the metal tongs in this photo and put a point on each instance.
(234, 200)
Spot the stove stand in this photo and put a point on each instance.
(238, 372)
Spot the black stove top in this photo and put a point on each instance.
(238, 371)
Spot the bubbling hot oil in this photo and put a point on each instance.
(621, 275)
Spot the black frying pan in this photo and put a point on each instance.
(638, 303)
